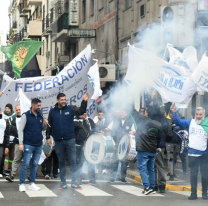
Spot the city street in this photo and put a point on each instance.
(103, 194)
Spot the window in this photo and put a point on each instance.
(128, 3)
(83, 10)
(92, 7)
(142, 11)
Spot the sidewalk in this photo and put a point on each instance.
(181, 183)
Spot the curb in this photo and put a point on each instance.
(168, 186)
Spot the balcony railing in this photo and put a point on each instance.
(63, 22)
(47, 20)
(52, 15)
(43, 25)
(14, 25)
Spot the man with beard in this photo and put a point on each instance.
(30, 140)
(197, 148)
(61, 119)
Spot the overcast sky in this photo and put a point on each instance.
(4, 19)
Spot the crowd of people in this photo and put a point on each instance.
(157, 130)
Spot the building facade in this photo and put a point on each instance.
(68, 26)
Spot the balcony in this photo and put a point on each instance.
(34, 2)
(62, 26)
(34, 28)
(26, 8)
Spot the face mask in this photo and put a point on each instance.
(0, 116)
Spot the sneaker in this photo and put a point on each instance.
(192, 197)
(47, 177)
(6, 172)
(62, 186)
(34, 187)
(10, 178)
(148, 190)
(22, 188)
(92, 182)
(1, 175)
(76, 186)
(124, 181)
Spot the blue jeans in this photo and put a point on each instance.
(34, 152)
(91, 171)
(80, 158)
(146, 161)
(66, 148)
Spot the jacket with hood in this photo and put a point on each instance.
(148, 134)
(61, 121)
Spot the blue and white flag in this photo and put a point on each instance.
(173, 83)
(94, 79)
(200, 75)
(187, 59)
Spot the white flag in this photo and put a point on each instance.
(173, 83)
(25, 102)
(200, 75)
(187, 59)
(94, 79)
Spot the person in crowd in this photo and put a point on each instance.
(4, 136)
(197, 148)
(100, 121)
(49, 162)
(10, 115)
(183, 134)
(172, 147)
(160, 175)
(142, 110)
(147, 141)
(119, 127)
(84, 127)
(17, 153)
(61, 120)
(30, 141)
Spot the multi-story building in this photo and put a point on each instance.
(67, 26)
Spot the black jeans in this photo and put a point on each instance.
(52, 160)
(66, 148)
(194, 164)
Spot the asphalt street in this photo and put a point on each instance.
(104, 194)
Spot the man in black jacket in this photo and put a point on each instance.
(84, 127)
(61, 120)
(4, 136)
(17, 153)
(147, 141)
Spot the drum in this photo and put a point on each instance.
(127, 148)
(46, 149)
(99, 148)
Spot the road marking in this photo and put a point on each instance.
(55, 180)
(1, 196)
(133, 190)
(44, 192)
(88, 190)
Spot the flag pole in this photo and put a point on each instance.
(8, 84)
